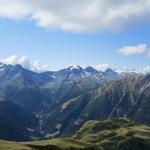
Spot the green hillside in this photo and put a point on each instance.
(117, 134)
(56, 144)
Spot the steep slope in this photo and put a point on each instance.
(127, 98)
(123, 98)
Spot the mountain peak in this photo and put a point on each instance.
(110, 71)
(18, 67)
(75, 67)
(90, 69)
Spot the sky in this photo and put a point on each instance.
(50, 35)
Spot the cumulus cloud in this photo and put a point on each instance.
(25, 62)
(134, 50)
(38, 67)
(102, 67)
(145, 70)
(78, 15)
(123, 69)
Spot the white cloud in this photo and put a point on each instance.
(78, 15)
(102, 67)
(134, 50)
(25, 62)
(38, 67)
(122, 70)
(144, 70)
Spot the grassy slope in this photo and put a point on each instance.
(56, 144)
(116, 134)
(6, 145)
(94, 135)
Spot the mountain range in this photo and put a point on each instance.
(44, 105)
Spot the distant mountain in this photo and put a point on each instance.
(29, 89)
(110, 72)
(60, 102)
(42, 94)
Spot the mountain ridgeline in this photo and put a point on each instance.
(57, 103)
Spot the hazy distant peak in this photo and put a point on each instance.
(90, 69)
(75, 67)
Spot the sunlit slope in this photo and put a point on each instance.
(56, 144)
(117, 134)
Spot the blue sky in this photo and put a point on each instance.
(61, 48)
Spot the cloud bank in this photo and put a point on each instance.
(25, 62)
(78, 15)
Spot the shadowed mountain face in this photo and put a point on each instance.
(16, 123)
(59, 103)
